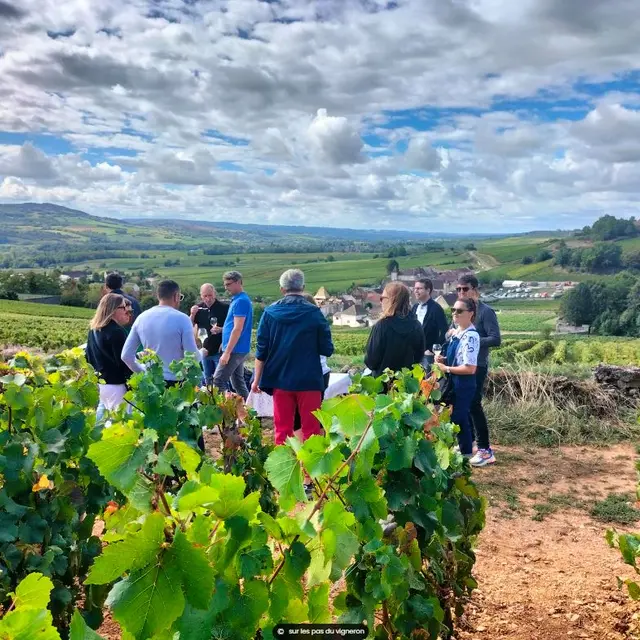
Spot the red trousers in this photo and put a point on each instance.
(284, 412)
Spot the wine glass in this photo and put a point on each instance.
(202, 334)
(214, 324)
(437, 349)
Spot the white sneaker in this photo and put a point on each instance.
(483, 458)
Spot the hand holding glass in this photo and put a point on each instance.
(437, 349)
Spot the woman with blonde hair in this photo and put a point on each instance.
(397, 339)
(104, 349)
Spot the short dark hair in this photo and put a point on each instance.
(427, 283)
(114, 280)
(470, 279)
(167, 289)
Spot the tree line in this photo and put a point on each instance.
(611, 307)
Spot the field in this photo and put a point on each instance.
(44, 310)
(261, 271)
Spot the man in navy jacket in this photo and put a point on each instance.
(431, 317)
(292, 335)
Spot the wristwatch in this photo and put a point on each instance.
(448, 370)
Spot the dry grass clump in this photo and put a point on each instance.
(532, 407)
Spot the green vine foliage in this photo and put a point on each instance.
(227, 546)
(204, 549)
(50, 492)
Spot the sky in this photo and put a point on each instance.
(429, 115)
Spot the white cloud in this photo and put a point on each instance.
(27, 162)
(334, 140)
(300, 110)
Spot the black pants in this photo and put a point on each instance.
(296, 420)
(478, 419)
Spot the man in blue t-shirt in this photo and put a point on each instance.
(236, 336)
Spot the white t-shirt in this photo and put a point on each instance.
(167, 331)
(468, 348)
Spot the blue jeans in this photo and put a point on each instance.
(465, 390)
(209, 365)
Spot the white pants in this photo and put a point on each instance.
(111, 397)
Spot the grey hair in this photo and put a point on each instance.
(234, 276)
(292, 280)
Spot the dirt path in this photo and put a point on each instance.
(544, 569)
(484, 261)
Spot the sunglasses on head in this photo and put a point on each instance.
(457, 311)
(463, 288)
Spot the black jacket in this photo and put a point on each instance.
(202, 320)
(394, 343)
(434, 324)
(104, 348)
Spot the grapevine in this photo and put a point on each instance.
(230, 544)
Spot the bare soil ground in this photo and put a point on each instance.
(544, 569)
(553, 576)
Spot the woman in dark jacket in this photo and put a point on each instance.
(104, 349)
(397, 339)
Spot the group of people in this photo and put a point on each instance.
(293, 344)
(406, 336)
(119, 331)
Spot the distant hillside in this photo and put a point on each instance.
(278, 231)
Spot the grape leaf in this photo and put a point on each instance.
(351, 411)
(319, 569)
(189, 458)
(192, 564)
(165, 461)
(316, 457)
(33, 592)
(148, 601)
(136, 551)
(223, 496)
(284, 471)
(318, 600)
(28, 624)
(79, 629)
(119, 455)
(400, 453)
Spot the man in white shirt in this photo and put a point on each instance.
(431, 317)
(163, 329)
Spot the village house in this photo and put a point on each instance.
(443, 281)
(354, 316)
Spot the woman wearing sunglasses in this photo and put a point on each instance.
(106, 338)
(460, 363)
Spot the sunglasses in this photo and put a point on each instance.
(463, 288)
(457, 311)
